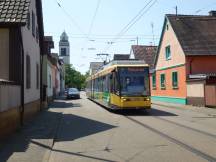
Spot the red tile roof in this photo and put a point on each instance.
(196, 34)
(146, 53)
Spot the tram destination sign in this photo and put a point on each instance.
(135, 69)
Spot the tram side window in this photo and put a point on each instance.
(111, 83)
(100, 84)
(106, 88)
(93, 81)
(114, 84)
(103, 83)
(95, 85)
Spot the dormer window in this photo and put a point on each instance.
(168, 52)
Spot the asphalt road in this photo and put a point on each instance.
(88, 132)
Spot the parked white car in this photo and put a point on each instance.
(73, 93)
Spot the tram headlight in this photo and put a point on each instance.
(124, 99)
(146, 99)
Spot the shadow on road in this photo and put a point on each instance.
(72, 153)
(64, 104)
(137, 112)
(74, 127)
(35, 134)
(151, 112)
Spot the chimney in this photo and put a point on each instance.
(212, 13)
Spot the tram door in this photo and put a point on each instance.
(92, 88)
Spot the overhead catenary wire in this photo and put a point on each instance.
(95, 39)
(201, 9)
(91, 24)
(132, 22)
(103, 36)
(121, 33)
(140, 17)
(71, 19)
(94, 17)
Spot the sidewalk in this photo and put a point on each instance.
(33, 142)
(203, 110)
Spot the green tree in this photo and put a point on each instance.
(74, 78)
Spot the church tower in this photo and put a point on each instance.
(64, 48)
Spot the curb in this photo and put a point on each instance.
(51, 142)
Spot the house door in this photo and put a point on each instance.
(210, 95)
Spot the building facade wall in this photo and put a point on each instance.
(49, 80)
(177, 54)
(45, 62)
(57, 82)
(31, 48)
(201, 64)
(170, 93)
(9, 121)
(54, 80)
(196, 93)
(175, 63)
(9, 97)
(4, 54)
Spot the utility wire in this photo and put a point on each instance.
(199, 10)
(133, 19)
(103, 36)
(91, 27)
(132, 22)
(93, 19)
(139, 17)
(71, 19)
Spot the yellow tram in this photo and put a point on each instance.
(121, 85)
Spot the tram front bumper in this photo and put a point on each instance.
(136, 102)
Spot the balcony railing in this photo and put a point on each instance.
(9, 95)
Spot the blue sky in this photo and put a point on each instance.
(75, 17)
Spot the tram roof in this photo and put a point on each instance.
(118, 63)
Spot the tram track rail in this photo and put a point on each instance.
(187, 147)
(186, 127)
(174, 140)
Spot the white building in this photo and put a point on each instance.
(64, 48)
(21, 46)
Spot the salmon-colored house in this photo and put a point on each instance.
(187, 48)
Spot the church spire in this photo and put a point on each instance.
(64, 48)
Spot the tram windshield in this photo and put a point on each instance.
(134, 81)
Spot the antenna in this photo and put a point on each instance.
(137, 38)
(176, 9)
(153, 36)
(101, 56)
